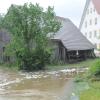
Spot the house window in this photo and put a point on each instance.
(91, 10)
(95, 21)
(95, 45)
(88, 11)
(94, 9)
(98, 46)
(85, 34)
(95, 33)
(85, 24)
(99, 35)
(90, 35)
(90, 22)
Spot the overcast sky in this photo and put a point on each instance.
(65, 8)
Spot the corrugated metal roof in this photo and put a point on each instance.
(71, 37)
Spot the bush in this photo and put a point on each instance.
(95, 69)
(34, 60)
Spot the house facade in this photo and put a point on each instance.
(90, 22)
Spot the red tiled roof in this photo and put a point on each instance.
(97, 5)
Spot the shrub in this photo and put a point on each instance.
(95, 69)
(34, 60)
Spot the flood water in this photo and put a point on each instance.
(44, 85)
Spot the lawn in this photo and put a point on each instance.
(81, 64)
(93, 93)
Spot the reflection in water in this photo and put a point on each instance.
(36, 86)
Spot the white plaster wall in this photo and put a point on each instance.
(92, 27)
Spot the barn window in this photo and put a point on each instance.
(3, 49)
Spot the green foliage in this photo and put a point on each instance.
(93, 93)
(34, 60)
(29, 26)
(95, 68)
(1, 21)
(79, 79)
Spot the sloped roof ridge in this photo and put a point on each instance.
(72, 38)
(74, 26)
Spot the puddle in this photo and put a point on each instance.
(47, 85)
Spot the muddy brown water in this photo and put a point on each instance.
(54, 85)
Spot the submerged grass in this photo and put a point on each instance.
(93, 93)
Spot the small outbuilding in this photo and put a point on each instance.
(70, 44)
(4, 40)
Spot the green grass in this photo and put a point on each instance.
(93, 93)
(86, 63)
(8, 66)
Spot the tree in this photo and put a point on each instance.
(1, 20)
(29, 25)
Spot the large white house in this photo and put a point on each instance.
(90, 22)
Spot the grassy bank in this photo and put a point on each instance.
(93, 93)
(86, 63)
(8, 66)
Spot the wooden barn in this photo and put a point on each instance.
(69, 44)
(4, 40)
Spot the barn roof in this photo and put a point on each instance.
(71, 37)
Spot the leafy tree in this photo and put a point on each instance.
(29, 25)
